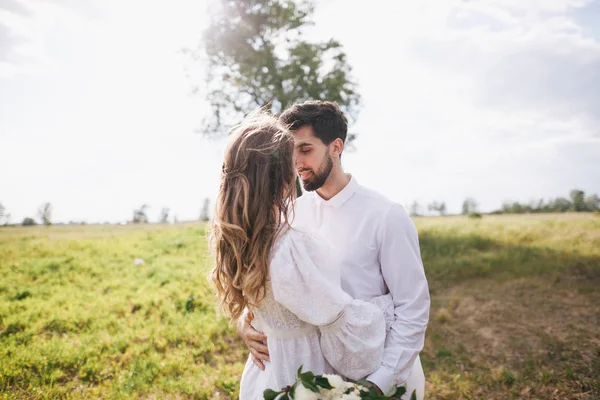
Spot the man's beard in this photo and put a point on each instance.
(319, 177)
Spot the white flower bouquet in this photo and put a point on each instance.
(330, 387)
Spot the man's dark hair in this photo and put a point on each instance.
(325, 117)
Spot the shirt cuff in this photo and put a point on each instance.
(383, 378)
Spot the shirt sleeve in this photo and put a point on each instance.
(403, 273)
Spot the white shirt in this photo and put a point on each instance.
(378, 248)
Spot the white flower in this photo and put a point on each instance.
(350, 396)
(335, 380)
(347, 385)
(302, 393)
(138, 261)
(330, 394)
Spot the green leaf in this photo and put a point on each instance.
(400, 390)
(270, 394)
(311, 386)
(364, 394)
(323, 382)
(413, 396)
(284, 397)
(309, 376)
(292, 391)
(300, 371)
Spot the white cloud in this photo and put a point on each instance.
(29, 24)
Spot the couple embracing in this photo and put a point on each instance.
(332, 280)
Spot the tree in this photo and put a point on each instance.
(204, 214)
(140, 216)
(578, 199)
(28, 221)
(469, 206)
(439, 207)
(541, 206)
(4, 216)
(560, 204)
(442, 209)
(415, 209)
(45, 213)
(592, 202)
(164, 215)
(255, 57)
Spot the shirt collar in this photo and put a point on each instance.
(343, 195)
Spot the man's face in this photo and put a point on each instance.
(313, 159)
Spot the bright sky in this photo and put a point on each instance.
(494, 99)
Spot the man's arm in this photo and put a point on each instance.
(253, 339)
(403, 273)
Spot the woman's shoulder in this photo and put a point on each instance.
(294, 236)
(287, 238)
(292, 242)
(297, 246)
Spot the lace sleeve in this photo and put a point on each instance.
(354, 347)
(386, 304)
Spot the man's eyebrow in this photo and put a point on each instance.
(303, 144)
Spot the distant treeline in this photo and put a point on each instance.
(577, 202)
(140, 216)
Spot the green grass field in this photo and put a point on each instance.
(515, 311)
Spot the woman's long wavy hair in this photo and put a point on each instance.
(255, 198)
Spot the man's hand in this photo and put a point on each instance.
(379, 392)
(254, 340)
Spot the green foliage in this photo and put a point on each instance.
(415, 209)
(140, 215)
(440, 207)
(22, 295)
(45, 213)
(508, 377)
(578, 202)
(256, 56)
(164, 215)
(469, 206)
(27, 221)
(592, 203)
(4, 216)
(320, 383)
(474, 215)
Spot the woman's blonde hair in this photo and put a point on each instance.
(255, 195)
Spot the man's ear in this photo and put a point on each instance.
(338, 146)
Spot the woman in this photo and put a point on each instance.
(288, 279)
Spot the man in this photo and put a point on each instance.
(376, 239)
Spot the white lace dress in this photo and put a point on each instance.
(310, 321)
